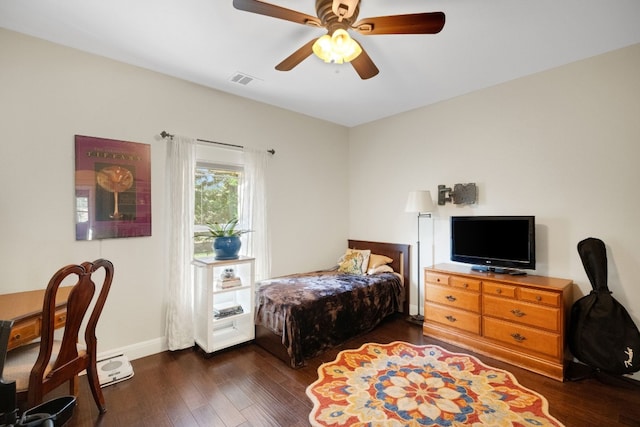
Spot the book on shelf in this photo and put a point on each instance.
(228, 283)
(224, 310)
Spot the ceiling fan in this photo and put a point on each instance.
(338, 16)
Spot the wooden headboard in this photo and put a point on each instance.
(401, 256)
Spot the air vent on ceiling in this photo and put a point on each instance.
(241, 78)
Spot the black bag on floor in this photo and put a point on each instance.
(602, 334)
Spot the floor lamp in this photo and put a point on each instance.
(419, 202)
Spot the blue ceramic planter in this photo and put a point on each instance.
(226, 247)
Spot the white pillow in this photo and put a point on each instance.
(380, 269)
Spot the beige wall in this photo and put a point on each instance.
(49, 93)
(563, 145)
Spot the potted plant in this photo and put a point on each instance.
(226, 239)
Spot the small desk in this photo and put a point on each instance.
(25, 309)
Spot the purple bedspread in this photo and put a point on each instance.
(316, 311)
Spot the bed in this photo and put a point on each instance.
(299, 316)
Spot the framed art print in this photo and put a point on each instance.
(113, 188)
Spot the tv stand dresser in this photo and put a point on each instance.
(522, 320)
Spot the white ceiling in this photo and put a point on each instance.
(483, 43)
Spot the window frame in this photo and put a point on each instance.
(200, 230)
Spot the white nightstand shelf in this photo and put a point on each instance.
(219, 321)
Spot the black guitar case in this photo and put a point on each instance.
(602, 335)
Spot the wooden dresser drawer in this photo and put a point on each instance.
(453, 297)
(501, 289)
(539, 296)
(520, 336)
(529, 314)
(60, 318)
(452, 317)
(441, 279)
(465, 283)
(23, 332)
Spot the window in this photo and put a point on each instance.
(82, 206)
(216, 200)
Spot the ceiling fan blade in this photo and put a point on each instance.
(261, 8)
(364, 66)
(296, 57)
(417, 23)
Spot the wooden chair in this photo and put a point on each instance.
(40, 367)
(8, 412)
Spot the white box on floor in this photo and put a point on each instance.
(114, 369)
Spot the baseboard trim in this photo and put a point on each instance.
(138, 350)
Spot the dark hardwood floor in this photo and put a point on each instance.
(246, 386)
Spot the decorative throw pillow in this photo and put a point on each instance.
(363, 254)
(380, 269)
(351, 263)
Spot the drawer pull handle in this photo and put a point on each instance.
(17, 337)
(517, 312)
(466, 285)
(518, 337)
(498, 291)
(438, 280)
(538, 298)
(451, 318)
(451, 298)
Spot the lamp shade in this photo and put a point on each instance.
(419, 201)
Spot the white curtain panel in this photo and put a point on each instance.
(181, 163)
(253, 208)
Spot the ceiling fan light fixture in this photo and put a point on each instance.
(337, 48)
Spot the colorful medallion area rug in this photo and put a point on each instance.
(401, 384)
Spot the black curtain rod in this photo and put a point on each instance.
(165, 134)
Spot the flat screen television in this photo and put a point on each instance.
(504, 244)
